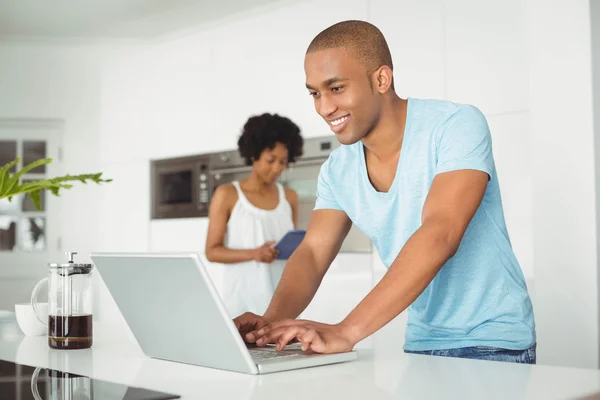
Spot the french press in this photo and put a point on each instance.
(69, 304)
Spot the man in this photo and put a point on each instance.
(418, 177)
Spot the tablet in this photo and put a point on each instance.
(288, 243)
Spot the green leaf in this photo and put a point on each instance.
(10, 187)
(3, 178)
(35, 196)
(33, 165)
(14, 180)
(4, 175)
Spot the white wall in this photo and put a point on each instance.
(595, 45)
(59, 82)
(192, 92)
(565, 233)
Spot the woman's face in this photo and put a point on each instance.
(271, 163)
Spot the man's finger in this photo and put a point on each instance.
(272, 337)
(250, 333)
(288, 335)
(244, 326)
(244, 332)
(307, 338)
(260, 331)
(266, 329)
(311, 340)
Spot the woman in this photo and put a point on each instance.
(247, 217)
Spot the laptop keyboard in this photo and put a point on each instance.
(268, 354)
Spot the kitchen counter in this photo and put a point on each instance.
(383, 372)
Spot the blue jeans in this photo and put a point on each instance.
(485, 353)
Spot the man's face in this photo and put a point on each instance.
(342, 94)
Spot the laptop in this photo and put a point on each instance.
(176, 314)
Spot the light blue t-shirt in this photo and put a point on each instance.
(479, 297)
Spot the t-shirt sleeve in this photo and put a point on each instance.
(465, 143)
(325, 194)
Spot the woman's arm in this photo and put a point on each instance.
(292, 198)
(218, 216)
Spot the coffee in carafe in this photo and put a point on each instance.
(70, 332)
(69, 305)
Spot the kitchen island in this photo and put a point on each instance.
(382, 372)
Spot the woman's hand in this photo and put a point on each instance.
(265, 253)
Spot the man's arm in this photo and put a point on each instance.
(306, 267)
(303, 272)
(450, 205)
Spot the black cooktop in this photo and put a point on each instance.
(23, 382)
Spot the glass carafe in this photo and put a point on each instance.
(69, 304)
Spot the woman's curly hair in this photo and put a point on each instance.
(264, 131)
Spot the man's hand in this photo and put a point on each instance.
(249, 322)
(314, 336)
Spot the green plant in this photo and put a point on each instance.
(10, 186)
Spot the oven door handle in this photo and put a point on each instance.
(299, 163)
(307, 163)
(232, 170)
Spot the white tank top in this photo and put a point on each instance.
(249, 286)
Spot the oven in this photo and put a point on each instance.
(180, 187)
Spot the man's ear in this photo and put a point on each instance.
(383, 79)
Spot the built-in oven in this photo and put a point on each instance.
(226, 167)
(181, 187)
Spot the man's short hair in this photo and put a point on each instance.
(362, 40)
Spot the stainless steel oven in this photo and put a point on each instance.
(183, 187)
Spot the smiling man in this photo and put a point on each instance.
(418, 177)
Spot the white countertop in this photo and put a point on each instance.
(385, 372)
